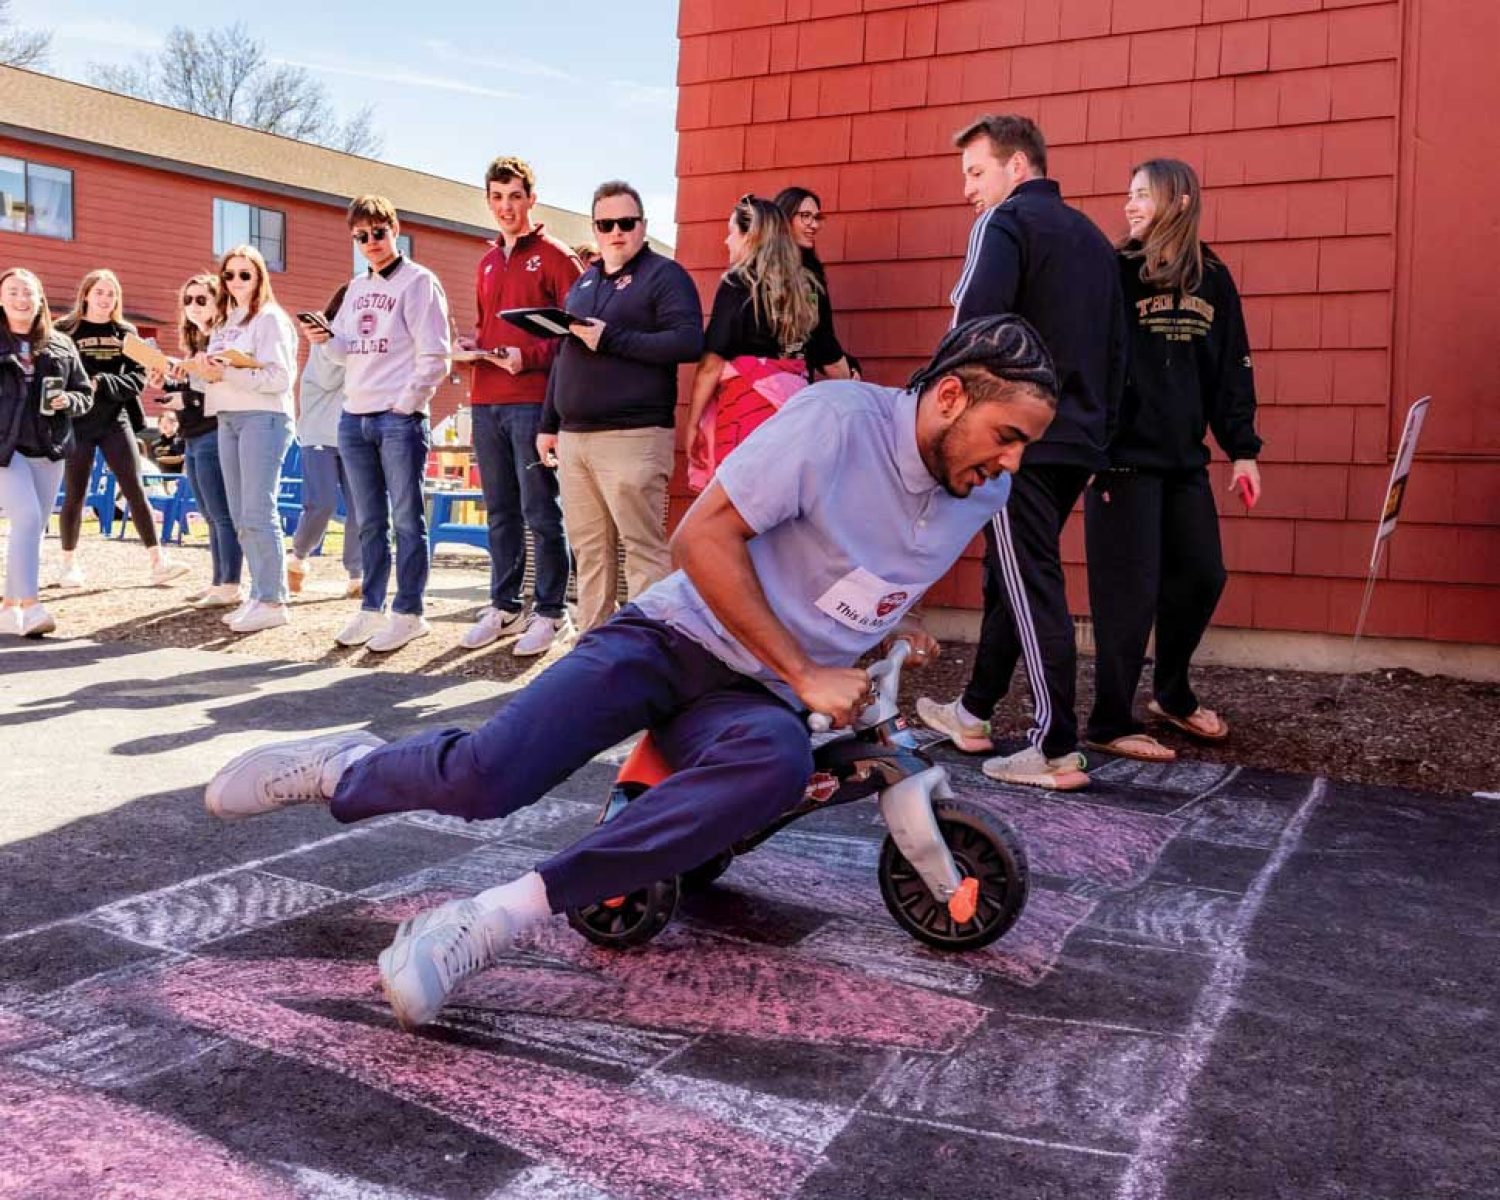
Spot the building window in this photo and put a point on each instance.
(403, 244)
(36, 199)
(237, 224)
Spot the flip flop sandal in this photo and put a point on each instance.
(1140, 746)
(1186, 723)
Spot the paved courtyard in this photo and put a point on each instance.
(1227, 984)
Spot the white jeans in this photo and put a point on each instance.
(28, 490)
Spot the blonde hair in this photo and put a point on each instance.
(1171, 253)
(263, 294)
(782, 290)
(80, 303)
(41, 324)
(191, 339)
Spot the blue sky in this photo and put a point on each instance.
(582, 89)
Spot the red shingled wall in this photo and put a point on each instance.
(1300, 116)
(154, 228)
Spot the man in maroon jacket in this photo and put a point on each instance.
(525, 268)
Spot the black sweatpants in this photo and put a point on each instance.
(1154, 558)
(1026, 606)
(118, 446)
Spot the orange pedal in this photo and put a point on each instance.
(964, 903)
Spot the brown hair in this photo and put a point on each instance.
(1008, 134)
(263, 294)
(69, 322)
(1171, 253)
(191, 339)
(373, 210)
(587, 252)
(616, 187)
(781, 288)
(41, 324)
(507, 168)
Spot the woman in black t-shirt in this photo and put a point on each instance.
(1150, 523)
(98, 328)
(765, 337)
(804, 213)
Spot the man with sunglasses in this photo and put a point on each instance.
(611, 404)
(392, 337)
(526, 267)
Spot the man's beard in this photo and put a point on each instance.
(944, 465)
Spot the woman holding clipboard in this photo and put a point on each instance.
(253, 403)
(1150, 523)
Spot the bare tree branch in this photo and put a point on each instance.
(20, 47)
(225, 73)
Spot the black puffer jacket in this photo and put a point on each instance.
(23, 428)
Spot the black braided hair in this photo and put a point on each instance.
(1006, 346)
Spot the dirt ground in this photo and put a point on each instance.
(1391, 727)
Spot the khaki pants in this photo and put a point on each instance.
(614, 490)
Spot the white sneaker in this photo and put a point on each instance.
(967, 734)
(260, 615)
(35, 621)
(493, 624)
(10, 621)
(434, 952)
(193, 597)
(224, 595)
(72, 576)
(271, 777)
(167, 570)
(1030, 768)
(296, 573)
(245, 605)
(540, 633)
(399, 629)
(360, 628)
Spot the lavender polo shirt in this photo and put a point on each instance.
(851, 529)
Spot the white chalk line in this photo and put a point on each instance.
(1206, 793)
(1146, 1177)
(993, 1135)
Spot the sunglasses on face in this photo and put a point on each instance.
(242, 276)
(188, 300)
(626, 224)
(377, 234)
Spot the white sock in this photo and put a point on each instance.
(334, 768)
(965, 717)
(155, 553)
(524, 901)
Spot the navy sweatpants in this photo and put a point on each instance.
(741, 758)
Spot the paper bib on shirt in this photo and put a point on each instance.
(866, 602)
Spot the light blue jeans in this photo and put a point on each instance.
(251, 447)
(323, 480)
(28, 490)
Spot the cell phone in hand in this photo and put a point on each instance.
(315, 319)
(52, 388)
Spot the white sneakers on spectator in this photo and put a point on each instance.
(1031, 768)
(236, 613)
(223, 595)
(258, 615)
(492, 625)
(399, 628)
(35, 621)
(164, 570)
(360, 628)
(435, 952)
(540, 633)
(967, 732)
(72, 576)
(306, 771)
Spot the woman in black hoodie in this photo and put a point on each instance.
(1151, 527)
(42, 388)
(98, 327)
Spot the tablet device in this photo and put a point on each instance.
(542, 322)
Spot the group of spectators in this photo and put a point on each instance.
(574, 435)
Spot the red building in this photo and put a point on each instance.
(91, 179)
(1349, 155)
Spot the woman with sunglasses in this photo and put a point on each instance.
(198, 309)
(98, 328)
(804, 211)
(765, 337)
(1150, 524)
(43, 387)
(253, 404)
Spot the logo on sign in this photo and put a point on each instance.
(890, 603)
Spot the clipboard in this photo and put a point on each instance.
(542, 322)
(138, 350)
(236, 358)
(463, 356)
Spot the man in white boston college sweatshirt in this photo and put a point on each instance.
(392, 336)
